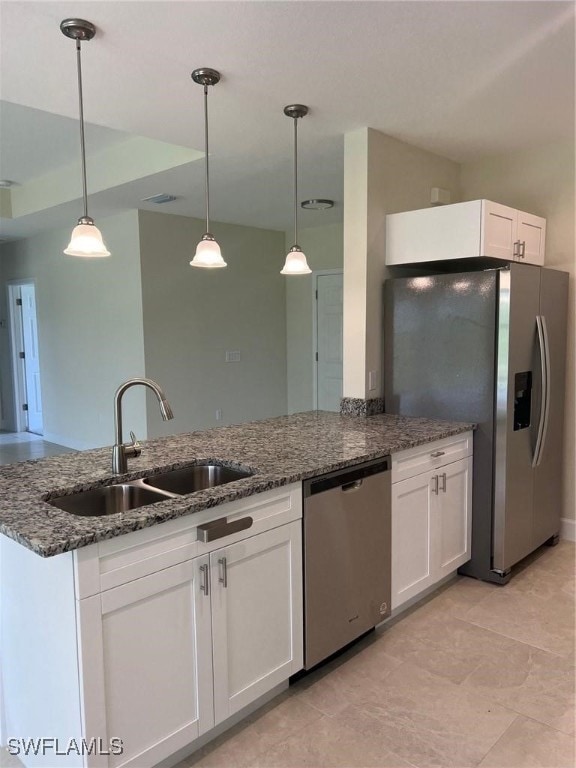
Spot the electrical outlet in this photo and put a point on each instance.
(218, 414)
(372, 380)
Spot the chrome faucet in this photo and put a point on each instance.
(121, 452)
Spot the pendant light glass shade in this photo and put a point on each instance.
(208, 255)
(86, 240)
(295, 263)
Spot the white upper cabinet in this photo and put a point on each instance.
(465, 230)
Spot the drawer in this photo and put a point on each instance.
(116, 561)
(429, 456)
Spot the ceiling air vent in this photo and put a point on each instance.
(163, 197)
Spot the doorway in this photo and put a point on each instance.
(328, 339)
(25, 357)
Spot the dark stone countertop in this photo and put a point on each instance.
(280, 450)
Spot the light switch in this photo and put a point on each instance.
(233, 356)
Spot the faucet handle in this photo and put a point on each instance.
(135, 449)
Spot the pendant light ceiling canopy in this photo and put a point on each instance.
(208, 253)
(295, 263)
(86, 238)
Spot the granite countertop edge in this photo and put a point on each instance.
(279, 451)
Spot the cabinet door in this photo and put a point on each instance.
(531, 234)
(411, 537)
(256, 616)
(498, 236)
(453, 517)
(146, 650)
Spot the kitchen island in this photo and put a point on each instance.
(131, 631)
(277, 451)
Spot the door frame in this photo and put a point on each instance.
(19, 417)
(315, 275)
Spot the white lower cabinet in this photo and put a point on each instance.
(170, 655)
(431, 516)
(256, 617)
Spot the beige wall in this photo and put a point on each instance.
(381, 175)
(89, 330)
(541, 181)
(193, 316)
(323, 247)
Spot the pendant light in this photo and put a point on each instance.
(295, 263)
(207, 251)
(86, 237)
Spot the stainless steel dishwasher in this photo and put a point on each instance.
(347, 579)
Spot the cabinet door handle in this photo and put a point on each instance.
(223, 578)
(522, 249)
(516, 249)
(216, 529)
(437, 453)
(435, 486)
(205, 582)
(443, 487)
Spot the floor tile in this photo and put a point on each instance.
(446, 646)
(430, 721)
(357, 677)
(328, 744)
(538, 621)
(527, 680)
(240, 746)
(528, 744)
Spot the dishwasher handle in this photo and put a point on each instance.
(348, 479)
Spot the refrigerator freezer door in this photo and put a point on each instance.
(548, 473)
(519, 299)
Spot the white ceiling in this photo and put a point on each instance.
(462, 79)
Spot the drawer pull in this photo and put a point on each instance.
(216, 529)
(437, 453)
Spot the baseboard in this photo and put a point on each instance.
(567, 529)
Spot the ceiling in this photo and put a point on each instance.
(462, 79)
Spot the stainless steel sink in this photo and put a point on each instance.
(122, 497)
(196, 478)
(107, 500)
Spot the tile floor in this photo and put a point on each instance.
(21, 446)
(479, 675)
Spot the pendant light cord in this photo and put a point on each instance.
(82, 142)
(295, 181)
(206, 158)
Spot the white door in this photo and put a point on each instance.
(412, 523)
(256, 616)
(31, 359)
(329, 341)
(148, 679)
(454, 516)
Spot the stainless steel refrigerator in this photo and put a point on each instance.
(489, 347)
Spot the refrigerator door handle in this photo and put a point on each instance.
(545, 378)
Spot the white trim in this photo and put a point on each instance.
(315, 275)
(567, 529)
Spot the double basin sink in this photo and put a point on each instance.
(123, 497)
